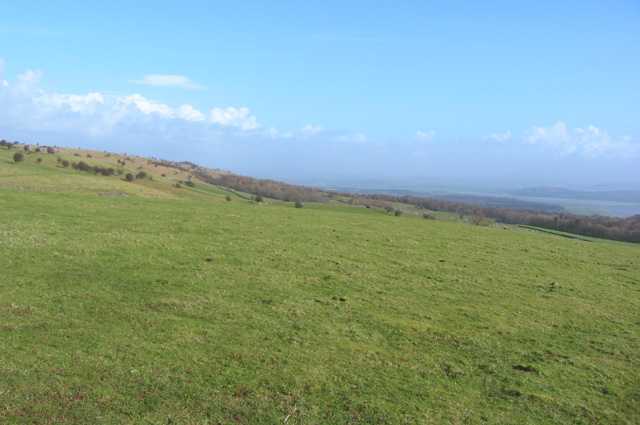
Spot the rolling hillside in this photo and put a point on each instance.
(141, 302)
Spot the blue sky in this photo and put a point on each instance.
(531, 92)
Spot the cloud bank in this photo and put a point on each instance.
(232, 138)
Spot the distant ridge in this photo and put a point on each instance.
(601, 195)
(616, 186)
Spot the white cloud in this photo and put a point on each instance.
(235, 117)
(168, 81)
(358, 137)
(310, 130)
(187, 112)
(590, 142)
(500, 137)
(28, 80)
(145, 105)
(25, 108)
(428, 135)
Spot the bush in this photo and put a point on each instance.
(298, 204)
(428, 217)
(120, 172)
(38, 150)
(129, 177)
(51, 150)
(83, 166)
(141, 175)
(18, 157)
(89, 155)
(27, 148)
(65, 163)
(388, 208)
(178, 186)
(3, 142)
(190, 183)
(398, 213)
(39, 160)
(258, 199)
(228, 198)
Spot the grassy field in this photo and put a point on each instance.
(175, 306)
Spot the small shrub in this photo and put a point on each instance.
(9, 145)
(27, 148)
(65, 163)
(59, 160)
(190, 183)
(120, 172)
(89, 155)
(164, 175)
(428, 217)
(129, 177)
(259, 199)
(178, 186)
(3, 142)
(388, 208)
(298, 204)
(228, 198)
(141, 175)
(398, 213)
(18, 157)
(39, 150)
(51, 150)
(39, 160)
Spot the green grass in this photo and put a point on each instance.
(151, 309)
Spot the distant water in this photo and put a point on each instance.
(614, 209)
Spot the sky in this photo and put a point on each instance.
(511, 93)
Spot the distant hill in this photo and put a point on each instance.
(615, 186)
(485, 201)
(497, 202)
(601, 195)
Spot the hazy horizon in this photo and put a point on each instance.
(501, 94)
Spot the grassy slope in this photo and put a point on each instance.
(165, 308)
